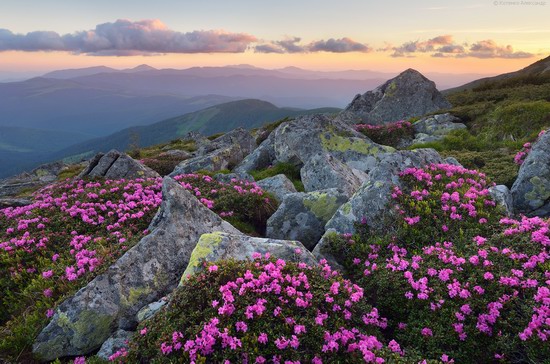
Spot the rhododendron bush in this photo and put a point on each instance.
(77, 228)
(265, 311)
(472, 284)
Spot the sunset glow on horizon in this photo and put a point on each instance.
(482, 37)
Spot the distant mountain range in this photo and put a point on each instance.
(70, 107)
(248, 113)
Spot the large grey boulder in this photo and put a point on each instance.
(325, 171)
(219, 245)
(531, 190)
(278, 185)
(144, 274)
(225, 152)
(37, 178)
(370, 202)
(306, 137)
(302, 216)
(410, 94)
(116, 165)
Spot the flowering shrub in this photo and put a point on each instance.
(388, 134)
(76, 228)
(469, 293)
(240, 202)
(57, 244)
(265, 311)
(519, 158)
(443, 202)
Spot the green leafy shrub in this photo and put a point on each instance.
(238, 201)
(288, 169)
(163, 164)
(261, 310)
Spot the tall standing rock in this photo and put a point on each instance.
(144, 274)
(531, 190)
(408, 95)
(116, 165)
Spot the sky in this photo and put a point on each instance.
(466, 36)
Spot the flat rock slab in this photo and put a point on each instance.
(218, 245)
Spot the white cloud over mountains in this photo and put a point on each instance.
(125, 38)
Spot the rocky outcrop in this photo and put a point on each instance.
(225, 152)
(116, 165)
(436, 127)
(144, 274)
(531, 190)
(371, 200)
(316, 141)
(37, 178)
(302, 216)
(410, 94)
(218, 245)
(278, 185)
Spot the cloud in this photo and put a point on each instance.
(426, 46)
(128, 37)
(342, 45)
(291, 45)
(444, 46)
(489, 49)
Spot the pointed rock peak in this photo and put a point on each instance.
(409, 94)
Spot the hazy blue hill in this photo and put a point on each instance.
(249, 114)
(26, 140)
(70, 106)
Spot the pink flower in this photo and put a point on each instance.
(213, 268)
(426, 332)
(262, 338)
(47, 274)
(143, 331)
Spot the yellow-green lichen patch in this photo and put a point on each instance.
(346, 208)
(392, 87)
(205, 246)
(539, 193)
(321, 205)
(91, 329)
(335, 143)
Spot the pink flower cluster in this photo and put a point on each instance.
(520, 156)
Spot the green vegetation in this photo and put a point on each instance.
(70, 171)
(288, 169)
(501, 116)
